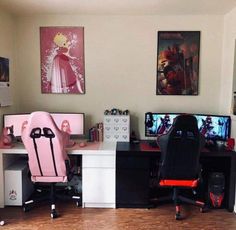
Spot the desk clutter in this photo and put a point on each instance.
(96, 132)
(115, 111)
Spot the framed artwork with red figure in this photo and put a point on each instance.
(62, 60)
(178, 62)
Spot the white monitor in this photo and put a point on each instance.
(72, 123)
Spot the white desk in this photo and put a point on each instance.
(98, 172)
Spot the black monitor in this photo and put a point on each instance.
(213, 127)
(158, 123)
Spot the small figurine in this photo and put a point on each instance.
(114, 111)
(106, 112)
(126, 112)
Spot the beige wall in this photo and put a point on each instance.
(228, 75)
(228, 81)
(7, 50)
(120, 66)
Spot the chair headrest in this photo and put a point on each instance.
(38, 132)
(185, 121)
(41, 123)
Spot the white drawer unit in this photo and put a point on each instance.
(98, 180)
(116, 128)
(98, 187)
(99, 161)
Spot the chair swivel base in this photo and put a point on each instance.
(28, 204)
(179, 200)
(182, 199)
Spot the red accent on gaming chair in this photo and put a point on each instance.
(47, 158)
(180, 152)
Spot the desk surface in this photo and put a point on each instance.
(90, 148)
(107, 147)
(144, 148)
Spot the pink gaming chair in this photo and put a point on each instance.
(47, 158)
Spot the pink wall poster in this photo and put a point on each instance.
(62, 60)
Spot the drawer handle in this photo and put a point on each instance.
(108, 128)
(116, 136)
(124, 128)
(116, 120)
(116, 128)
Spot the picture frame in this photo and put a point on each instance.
(5, 94)
(62, 60)
(4, 70)
(178, 62)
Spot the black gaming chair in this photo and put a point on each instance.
(179, 166)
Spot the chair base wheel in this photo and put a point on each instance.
(26, 208)
(178, 216)
(203, 209)
(54, 214)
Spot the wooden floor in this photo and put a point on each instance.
(72, 217)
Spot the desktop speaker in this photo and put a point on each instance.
(216, 188)
(230, 144)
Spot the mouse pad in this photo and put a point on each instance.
(146, 147)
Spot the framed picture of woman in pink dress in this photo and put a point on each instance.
(62, 60)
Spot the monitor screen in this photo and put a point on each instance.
(158, 123)
(213, 127)
(72, 123)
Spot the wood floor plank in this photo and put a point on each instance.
(72, 217)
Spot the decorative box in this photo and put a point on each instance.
(116, 128)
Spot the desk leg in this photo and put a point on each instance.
(1, 182)
(232, 184)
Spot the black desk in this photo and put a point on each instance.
(133, 172)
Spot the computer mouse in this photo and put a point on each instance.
(82, 144)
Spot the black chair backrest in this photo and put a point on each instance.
(180, 149)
